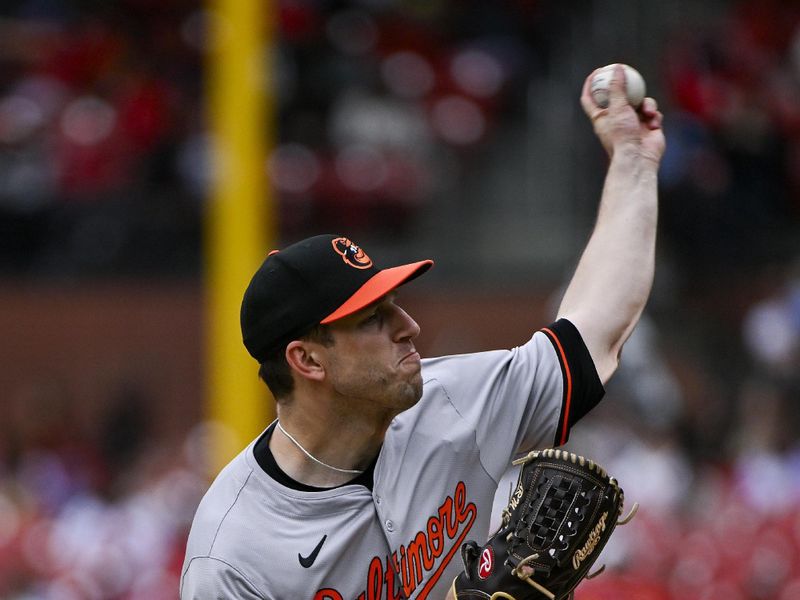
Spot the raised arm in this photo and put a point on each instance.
(612, 282)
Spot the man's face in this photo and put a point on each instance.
(373, 363)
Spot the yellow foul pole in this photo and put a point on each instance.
(240, 222)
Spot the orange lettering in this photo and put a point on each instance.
(392, 569)
(395, 562)
(435, 537)
(405, 569)
(405, 572)
(448, 518)
(462, 512)
(419, 558)
(375, 579)
(461, 502)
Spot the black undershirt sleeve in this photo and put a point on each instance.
(582, 389)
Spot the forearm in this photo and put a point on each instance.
(614, 276)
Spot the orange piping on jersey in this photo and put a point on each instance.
(568, 399)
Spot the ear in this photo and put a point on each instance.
(302, 358)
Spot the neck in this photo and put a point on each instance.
(344, 443)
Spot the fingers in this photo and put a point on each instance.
(620, 122)
(649, 107)
(617, 95)
(588, 104)
(650, 115)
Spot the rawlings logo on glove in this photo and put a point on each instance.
(591, 543)
(560, 516)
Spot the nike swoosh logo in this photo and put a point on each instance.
(307, 561)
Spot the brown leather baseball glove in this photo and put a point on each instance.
(558, 519)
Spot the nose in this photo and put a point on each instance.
(406, 328)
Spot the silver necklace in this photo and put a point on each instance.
(316, 460)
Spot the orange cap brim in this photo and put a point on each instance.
(378, 286)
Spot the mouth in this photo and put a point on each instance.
(411, 357)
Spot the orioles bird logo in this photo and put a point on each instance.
(351, 254)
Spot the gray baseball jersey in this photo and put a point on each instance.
(433, 484)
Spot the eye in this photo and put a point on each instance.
(375, 317)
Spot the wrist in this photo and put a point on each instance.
(634, 156)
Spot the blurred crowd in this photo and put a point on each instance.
(98, 111)
(104, 164)
(104, 146)
(94, 508)
(732, 200)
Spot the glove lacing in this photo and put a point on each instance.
(524, 570)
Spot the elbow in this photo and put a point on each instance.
(607, 366)
(612, 356)
(604, 344)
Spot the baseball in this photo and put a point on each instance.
(634, 84)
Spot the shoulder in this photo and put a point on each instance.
(212, 577)
(475, 367)
(217, 561)
(225, 504)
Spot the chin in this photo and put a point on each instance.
(414, 393)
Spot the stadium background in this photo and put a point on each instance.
(448, 129)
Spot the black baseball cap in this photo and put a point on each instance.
(316, 280)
